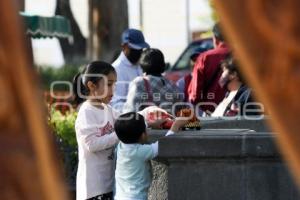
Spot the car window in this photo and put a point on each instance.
(184, 60)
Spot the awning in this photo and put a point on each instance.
(42, 27)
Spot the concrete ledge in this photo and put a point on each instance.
(258, 125)
(214, 164)
(222, 143)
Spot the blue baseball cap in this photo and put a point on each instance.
(134, 38)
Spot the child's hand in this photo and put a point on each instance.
(179, 123)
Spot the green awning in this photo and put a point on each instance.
(41, 27)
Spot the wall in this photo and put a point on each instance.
(234, 164)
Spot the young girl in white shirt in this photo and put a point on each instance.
(95, 131)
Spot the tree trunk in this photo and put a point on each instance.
(77, 50)
(107, 21)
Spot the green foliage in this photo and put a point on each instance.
(64, 126)
(48, 75)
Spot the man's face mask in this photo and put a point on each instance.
(134, 55)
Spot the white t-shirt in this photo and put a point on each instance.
(126, 72)
(219, 112)
(96, 141)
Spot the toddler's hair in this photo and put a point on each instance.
(129, 127)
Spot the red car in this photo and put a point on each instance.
(182, 65)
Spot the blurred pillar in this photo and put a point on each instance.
(188, 28)
(266, 40)
(29, 168)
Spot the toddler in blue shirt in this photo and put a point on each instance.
(132, 175)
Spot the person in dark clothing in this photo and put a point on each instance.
(238, 100)
(184, 82)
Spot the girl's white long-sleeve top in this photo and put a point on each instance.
(96, 141)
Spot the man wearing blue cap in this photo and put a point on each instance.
(127, 66)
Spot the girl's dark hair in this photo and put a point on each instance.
(90, 73)
(153, 62)
(231, 64)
